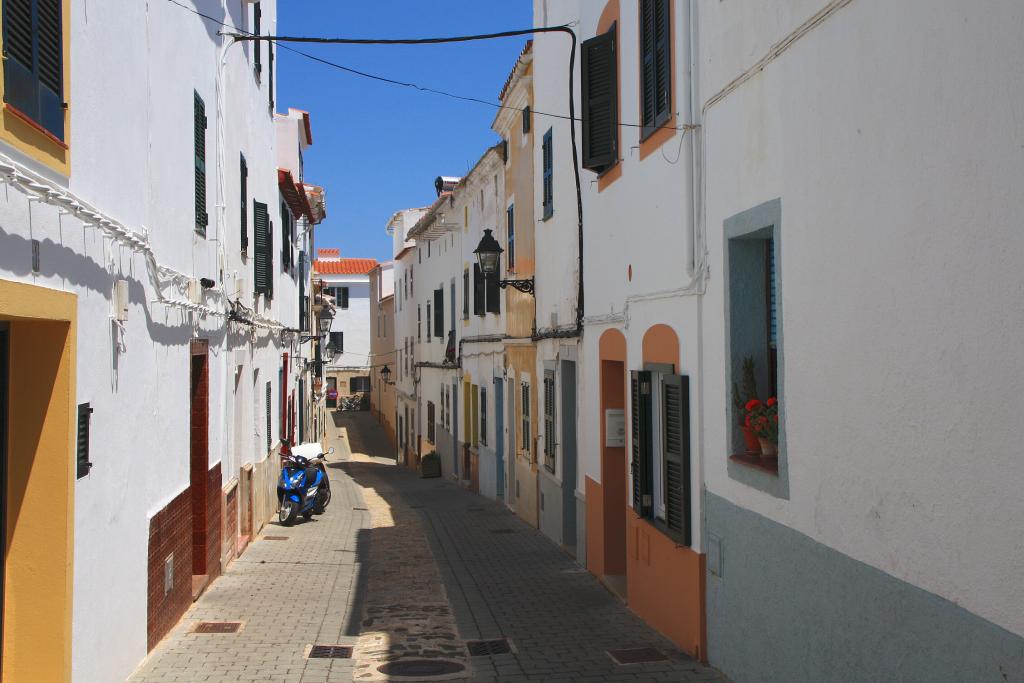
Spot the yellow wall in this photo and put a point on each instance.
(520, 307)
(28, 139)
(41, 476)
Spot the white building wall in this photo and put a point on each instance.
(131, 142)
(353, 322)
(900, 247)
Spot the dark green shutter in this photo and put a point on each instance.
(526, 120)
(199, 129)
(257, 45)
(676, 421)
(599, 85)
(479, 307)
(261, 248)
(465, 294)
(270, 260)
(243, 173)
(302, 291)
(84, 418)
(33, 61)
(439, 312)
(493, 295)
(640, 465)
(286, 239)
(548, 199)
(549, 420)
(655, 67)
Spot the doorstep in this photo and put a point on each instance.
(199, 584)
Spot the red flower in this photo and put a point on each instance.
(746, 420)
(772, 401)
(752, 404)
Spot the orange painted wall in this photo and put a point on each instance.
(595, 527)
(666, 585)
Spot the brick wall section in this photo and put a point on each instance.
(170, 531)
(214, 499)
(199, 458)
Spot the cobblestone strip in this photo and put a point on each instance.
(406, 611)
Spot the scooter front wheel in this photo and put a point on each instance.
(288, 512)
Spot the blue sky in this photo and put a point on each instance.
(378, 147)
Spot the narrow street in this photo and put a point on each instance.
(403, 568)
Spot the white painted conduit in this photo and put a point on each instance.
(38, 189)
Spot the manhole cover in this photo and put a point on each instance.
(420, 667)
(217, 627)
(330, 652)
(275, 538)
(503, 531)
(484, 648)
(637, 655)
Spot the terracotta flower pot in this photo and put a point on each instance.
(768, 449)
(753, 445)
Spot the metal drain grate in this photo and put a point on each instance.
(217, 627)
(504, 530)
(275, 538)
(362, 509)
(330, 652)
(486, 648)
(637, 655)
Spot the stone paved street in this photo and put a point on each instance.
(398, 568)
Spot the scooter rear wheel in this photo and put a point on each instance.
(323, 497)
(288, 512)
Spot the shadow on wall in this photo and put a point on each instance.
(82, 272)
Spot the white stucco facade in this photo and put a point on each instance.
(131, 143)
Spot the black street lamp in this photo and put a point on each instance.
(385, 374)
(488, 254)
(324, 325)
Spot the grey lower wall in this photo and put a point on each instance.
(550, 505)
(784, 607)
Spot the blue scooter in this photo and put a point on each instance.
(303, 488)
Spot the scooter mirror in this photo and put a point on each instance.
(330, 451)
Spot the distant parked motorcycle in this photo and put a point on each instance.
(303, 488)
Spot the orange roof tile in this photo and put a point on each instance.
(345, 266)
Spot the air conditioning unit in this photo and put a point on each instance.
(195, 291)
(121, 301)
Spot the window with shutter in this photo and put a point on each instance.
(257, 60)
(439, 313)
(549, 420)
(243, 176)
(419, 322)
(474, 413)
(286, 238)
(526, 120)
(641, 453)
(676, 446)
(338, 341)
(270, 443)
(199, 142)
(34, 61)
(600, 95)
(510, 239)
(344, 298)
(479, 307)
(493, 295)
(261, 249)
(548, 191)
(483, 415)
(302, 292)
(465, 294)
(525, 408)
(656, 70)
(84, 419)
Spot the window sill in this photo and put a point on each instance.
(658, 525)
(755, 461)
(27, 120)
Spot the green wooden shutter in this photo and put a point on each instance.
(270, 259)
(547, 198)
(243, 173)
(526, 120)
(439, 312)
(642, 455)
(257, 45)
(84, 419)
(465, 294)
(261, 248)
(599, 85)
(302, 291)
(479, 307)
(286, 239)
(493, 295)
(549, 420)
(655, 70)
(33, 61)
(199, 129)
(676, 439)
